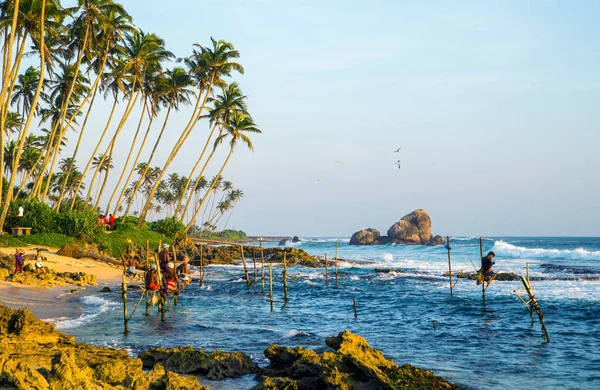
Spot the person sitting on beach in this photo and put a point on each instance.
(19, 260)
(171, 284)
(183, 270)
(133, 262)
(487, 274)
(152, 282)
(164, 258)
(39, 266)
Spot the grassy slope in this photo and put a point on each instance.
(114, 243)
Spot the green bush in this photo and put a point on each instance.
(55, 240)
(170, 227)
(40, 217)
(81, 225)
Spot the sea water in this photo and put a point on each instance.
(496, 346)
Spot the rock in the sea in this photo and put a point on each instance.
(187, 360)
(412, 229)
(284, 241)
(353, 365)
(106, 289)
(368, 236)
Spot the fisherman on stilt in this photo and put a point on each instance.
(486, 273)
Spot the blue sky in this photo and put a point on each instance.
(494, 104)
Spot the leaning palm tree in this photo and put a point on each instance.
(175, 87)
(236, 129)
(233, 198)
(232, 99)
(216, 62)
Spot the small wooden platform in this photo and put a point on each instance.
(21, 231)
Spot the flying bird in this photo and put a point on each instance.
(339, 162)
(398, 163)
(398, 150)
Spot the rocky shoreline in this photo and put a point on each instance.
(34, 355)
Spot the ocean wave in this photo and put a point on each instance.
(94, 306)
(294, 333)
(502, 248)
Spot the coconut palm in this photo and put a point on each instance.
(236, 130)
(217, 62)
(232, 99)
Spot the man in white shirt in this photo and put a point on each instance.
(20, 215)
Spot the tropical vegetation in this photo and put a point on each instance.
(58, 63)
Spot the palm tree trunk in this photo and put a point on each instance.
(149, 162)
(29, 117)
(182, 138)
(230, 214)
(95, 88)
(187, 184)
(187, 205)
(99, 196)
(189, 225)
(137, 132)
(128, 110)
(89, 163)
(137, 157)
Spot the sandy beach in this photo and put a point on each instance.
(56, 302)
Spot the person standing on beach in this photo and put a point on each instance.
(20, 215)
(487, 273)
(19, 260)
(164, 258)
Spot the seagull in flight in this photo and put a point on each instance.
(398, 163)
(398, 150)
(339, 162)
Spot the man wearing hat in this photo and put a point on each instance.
(152, 282)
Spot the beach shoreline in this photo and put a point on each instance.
(58, 302)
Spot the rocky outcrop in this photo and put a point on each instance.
(48, 278)
(352, 365)
(412, 229)
(213, 254)
(34, 355)
(187, 360)
(368, 236)
(284, 241)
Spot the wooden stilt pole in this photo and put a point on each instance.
(262, 258)
(482, 271)
(534, 304)
(271, 286)
(245, 267)
(254, 262)
(124, 294)
(201, 266)
(449, 262)
(284, 273)
(326, 272)
(354, 305)
(336, 263)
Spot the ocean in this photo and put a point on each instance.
(492, 347)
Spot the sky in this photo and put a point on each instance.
(494, 103)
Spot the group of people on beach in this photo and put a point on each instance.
(107, 223)
(169, 279)
(20, 261)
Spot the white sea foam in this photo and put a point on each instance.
(294, 333)
(95, 305)
(502, 248)
(388, 256)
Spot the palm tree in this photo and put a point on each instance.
(112, 22)
(217, 62)
(225, 105)
(233, 198)
(102, 164)
(174, 87)
(236, 129)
